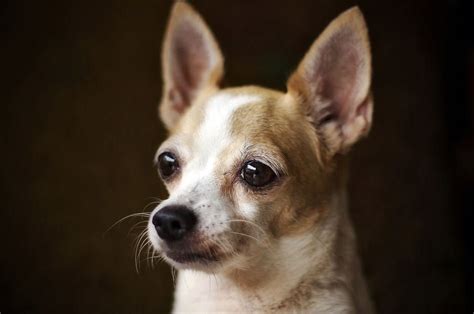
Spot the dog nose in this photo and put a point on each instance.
(174, 222)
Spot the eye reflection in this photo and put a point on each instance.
(167, 164)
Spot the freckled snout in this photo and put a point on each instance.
(172, 223)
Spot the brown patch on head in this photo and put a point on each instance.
(277, 128)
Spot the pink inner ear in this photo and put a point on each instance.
(175, 98)
(340, 69)
(189, 62)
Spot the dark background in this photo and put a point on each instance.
(81, 82)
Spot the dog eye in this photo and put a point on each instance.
(167, 164)
(257, 174)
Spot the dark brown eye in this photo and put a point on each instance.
(257, 174)
(167, 164)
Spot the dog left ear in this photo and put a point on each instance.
(191, 62)
(333, 80)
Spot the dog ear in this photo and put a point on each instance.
(191, 62)
(333, 81)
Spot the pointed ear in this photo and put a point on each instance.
(191, 62)
(332, 82)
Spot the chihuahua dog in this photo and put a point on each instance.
(257, 217)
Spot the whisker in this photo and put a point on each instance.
(246, 235)
(153, 257)
(156, 199)
(225, 246)
(136, 226)
(249, 222)
(148, 252)
(141, 239)
(141, 214)
(145, 242)
(141, 242)
(151, 203)
(264, 239)
(138, 241)
(173, 276)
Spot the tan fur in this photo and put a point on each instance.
(337, 138)
(298, 252)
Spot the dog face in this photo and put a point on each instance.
(247, 166)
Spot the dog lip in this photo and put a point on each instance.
(193, 257)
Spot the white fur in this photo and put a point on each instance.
(212, 137)
(198, 183)
(210, 140)
(198, 292)
(214, 133)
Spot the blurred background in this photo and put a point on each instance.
(81, 83)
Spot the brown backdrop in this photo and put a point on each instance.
(81, 83)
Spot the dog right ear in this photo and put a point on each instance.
(191, 62)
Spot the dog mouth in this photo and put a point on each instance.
(204, 256)
(193, 257)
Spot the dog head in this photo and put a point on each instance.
(247, 166)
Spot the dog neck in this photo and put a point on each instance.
(320, 267)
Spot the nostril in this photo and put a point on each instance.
(176, 225)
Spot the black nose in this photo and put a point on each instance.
(173, 222)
